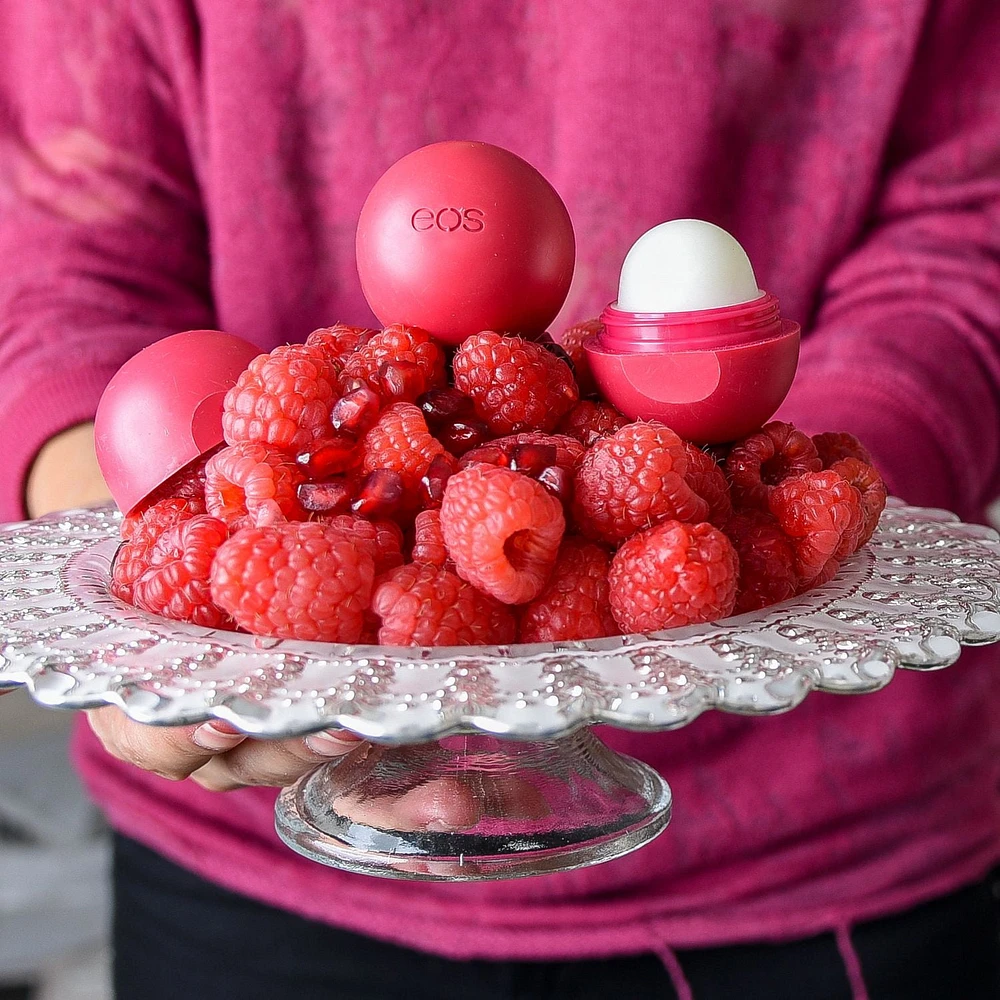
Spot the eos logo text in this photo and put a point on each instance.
(448, 220)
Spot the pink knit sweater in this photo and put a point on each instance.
(171, 164)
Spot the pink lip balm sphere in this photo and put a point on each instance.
(163, 409)
(459, 237)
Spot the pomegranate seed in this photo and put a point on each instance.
(400, 381)
(558, 482)
(559, 351)
(333, 496)
(435, 479)
(531, 459)
(461, 436)
(356, 412)
(440, 406)
(330, 457)
(380, 495)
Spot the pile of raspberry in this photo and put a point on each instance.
(376, 487)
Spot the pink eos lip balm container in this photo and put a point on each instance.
(163, 410)
(692, 341)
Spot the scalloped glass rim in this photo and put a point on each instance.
(926, 584)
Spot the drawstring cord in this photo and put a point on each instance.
(671, 963)
(852, 964)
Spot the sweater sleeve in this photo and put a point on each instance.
(905, 350)
(102, 235)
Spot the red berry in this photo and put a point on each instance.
(632, 480)
(575, 602)
(400, 381)
(164, 513)
(572, 343)
(588, 422)
(767, 560)
(333, 497)
(500, 452)
(133, 557)
(382, 493)
(428, 540)
(176, 583)
(671, 575)
(423, 605)
(435, 479)
(283, 399)
(441, 406)
(462, 434)
(821, 513)
(382, 540)
(330, 457)
(188, 484)
(758, 463)
(400, 441)
(516, 385)
(296, 580)
(834, 446)
(245, 482)
(356, 411)
(502, 530)
(708, 480)
(339, 340)
(865, 478)
(398, 343)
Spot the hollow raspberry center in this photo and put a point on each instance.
(521, 550)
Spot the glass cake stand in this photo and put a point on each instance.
(498, 734)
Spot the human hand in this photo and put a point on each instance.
(65, 473)
(220, 759)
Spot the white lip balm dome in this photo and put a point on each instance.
(685, 265)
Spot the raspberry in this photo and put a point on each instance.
(188, 484)
(247, 482)
(295, 580)
(569, 452)
(631, 480)
(399, 343)
(572, 343)
(767, 561)
(176, 584)
(574, 603)
(834, 446)
(516, 385)
(133, 557)
(865, 478)
(821, 513)
(673, 574)
(162, 513)
(588, 422)
(428, 540)
(283, 399)
(758, 463)
(339, 340)
(382, 540)
(401, 442)
(503, 531)
(422, 605)
(708, 480)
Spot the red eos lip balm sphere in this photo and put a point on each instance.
(163, 409)
(692, 341)
(460, 237)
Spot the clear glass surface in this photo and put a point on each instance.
(925, 585)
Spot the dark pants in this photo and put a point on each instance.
(176, 935)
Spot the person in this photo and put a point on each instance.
(176, 164)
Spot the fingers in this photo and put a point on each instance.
(172, 752)
(272, 762)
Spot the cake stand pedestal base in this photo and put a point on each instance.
(474, 807)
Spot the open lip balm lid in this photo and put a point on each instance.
(163, 409)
